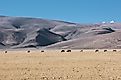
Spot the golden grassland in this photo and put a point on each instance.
(54, 65)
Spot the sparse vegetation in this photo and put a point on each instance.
(54, 66)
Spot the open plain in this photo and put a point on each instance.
(57, 65)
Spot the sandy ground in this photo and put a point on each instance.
(54, 65)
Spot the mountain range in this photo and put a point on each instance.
(25, 32)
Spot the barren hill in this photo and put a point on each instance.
(21, 32)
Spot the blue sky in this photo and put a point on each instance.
(81, 11)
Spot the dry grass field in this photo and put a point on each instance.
(54, 65)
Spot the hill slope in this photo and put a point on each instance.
(21, 32)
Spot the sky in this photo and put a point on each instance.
(80, 11)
